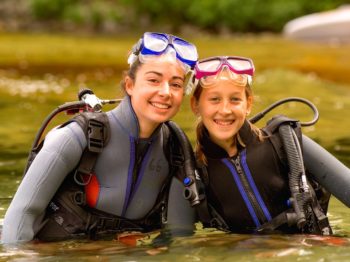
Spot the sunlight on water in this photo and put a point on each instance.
(27, 86)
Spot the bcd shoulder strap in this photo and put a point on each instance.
(272, 128)
(186, 169)
(97, 132)
(183, 159)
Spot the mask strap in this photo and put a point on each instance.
(190, 82)
(135, 51)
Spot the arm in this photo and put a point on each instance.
(60, 154)
(333, 175)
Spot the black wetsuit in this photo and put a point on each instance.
(250, 188)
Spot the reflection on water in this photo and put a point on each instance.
(204, 246)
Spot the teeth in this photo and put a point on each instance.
(224, 122)
(162, 106)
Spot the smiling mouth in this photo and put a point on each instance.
(160, 106)
(224, 122)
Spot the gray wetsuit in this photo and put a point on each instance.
(119, 192)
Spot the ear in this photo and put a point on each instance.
(129, 85)
(194, 105)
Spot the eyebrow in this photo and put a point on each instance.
(160, 74)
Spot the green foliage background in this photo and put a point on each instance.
(209, 15)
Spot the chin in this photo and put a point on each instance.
(160, 120)
(224, 136)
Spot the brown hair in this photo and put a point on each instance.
(200, 129)
(130, 73)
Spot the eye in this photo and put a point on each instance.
(153, 80)
(214, 99)
(177, 85)
(236, 99)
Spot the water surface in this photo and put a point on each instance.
(27, 96)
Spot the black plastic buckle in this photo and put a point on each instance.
(79, 198)
(95, 136)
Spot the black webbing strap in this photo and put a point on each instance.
(96, 128)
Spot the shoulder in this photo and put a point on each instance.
(71, 133)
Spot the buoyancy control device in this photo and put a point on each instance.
(70, 198)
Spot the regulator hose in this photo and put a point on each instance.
(296, 172)
(261, 114)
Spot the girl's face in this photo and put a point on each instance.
(223, 108)
(156, 94)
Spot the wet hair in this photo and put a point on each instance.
(201, 129)
(130, 73)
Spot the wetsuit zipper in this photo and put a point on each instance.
(139, 156)
(259, 212)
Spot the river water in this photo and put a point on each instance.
(26, 100)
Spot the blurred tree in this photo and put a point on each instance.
(50, 9)
(211, 15)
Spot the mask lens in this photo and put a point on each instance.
(225, 74)
(154, 42)
(209, 66)
(185, 50)
(239, 64)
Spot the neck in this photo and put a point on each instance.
(229, 146)
(146, 130)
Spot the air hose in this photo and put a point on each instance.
(261, 114)
(300, 195)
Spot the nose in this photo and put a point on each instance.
(225, 107)
(164, 89)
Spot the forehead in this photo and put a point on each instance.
(224, 87)
(164, 67)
